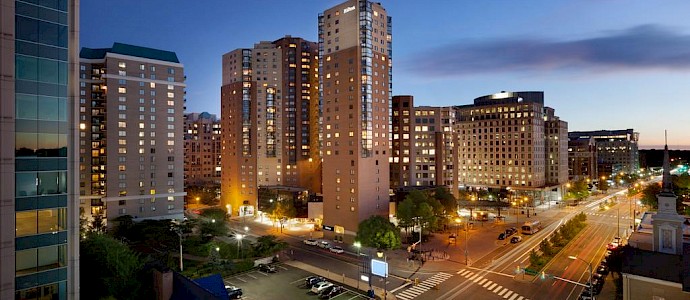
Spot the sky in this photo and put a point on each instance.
(602, 64)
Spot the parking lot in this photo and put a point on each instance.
(286, 283)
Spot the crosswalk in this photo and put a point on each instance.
(607, 215)
(424, 286)
(491, 286)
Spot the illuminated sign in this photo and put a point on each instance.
(348, 9)
(379, 268)
(326, 227)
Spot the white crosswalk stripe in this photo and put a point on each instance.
(482, 282)
(507, 294)
(492, 286)
(425, 285)
(502, 291)
(520, 298)
(498, 288)
(487, 283)
(513, 297)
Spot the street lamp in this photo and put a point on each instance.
(179, 234)
(239, 238)
(380, 254)
(591, 291)
(198, 200)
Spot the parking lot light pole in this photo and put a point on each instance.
(591, 288)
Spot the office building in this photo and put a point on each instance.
(355, 39)
(582, 159)
(511, 141)
(39, 229)
(617, 150)
(131, 122)
(269, 121)
(201, 149)
(423, 145)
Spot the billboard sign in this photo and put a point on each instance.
(379, 268)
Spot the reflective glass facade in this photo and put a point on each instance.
(41, 141)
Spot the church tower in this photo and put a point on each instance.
(667, 224)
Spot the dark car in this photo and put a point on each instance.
(516, 239)
(598, 284)
(603, 270)
(502, 236)
(267, 268)
(312, 280)
(585, 295)
(331, 292)
(233, 292)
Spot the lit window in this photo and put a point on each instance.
(122, 64)
(122, 90)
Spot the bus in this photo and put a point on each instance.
(531, 227)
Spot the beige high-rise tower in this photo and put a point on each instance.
(355, 84)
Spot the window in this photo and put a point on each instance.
(171, 95)
(122, 64)
(122, 90)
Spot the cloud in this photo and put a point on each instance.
(637, 48)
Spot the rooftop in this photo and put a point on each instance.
(130, 50)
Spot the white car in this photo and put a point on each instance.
(320, 287)
(311, 242)
(324, 245)
(337, 249)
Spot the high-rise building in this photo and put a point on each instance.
(131, 143)
(617, 150)
(355, 39)
(510, 140)
(201, 149)
(582, 159)
(556, 147)
(39, 231)
(269, 121)
(423, 145)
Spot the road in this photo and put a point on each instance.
(493, 264)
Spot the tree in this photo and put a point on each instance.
(578, 190)
(97, 224)
(205, 194)
(215, 213)
(122, 226)
(267, 245)
(446, 199)
(603, 185)
(418, 205)
(108, 268)
(379, 233)
(649, 193)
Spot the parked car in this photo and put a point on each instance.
(511, 231)
(598, 284)
(603, 270)
(337, 249)
(516, 239)
(313, 280)
(267, 268)
(233, 292)
(585, 295)
(311, 242)
(502, 236)
(317, 288)
(324, 245)
(331, 292)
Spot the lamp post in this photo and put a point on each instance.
(591, 290)
(239, 238)
(380, 254)
(179, 234)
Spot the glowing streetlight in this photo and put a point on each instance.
(591, 292)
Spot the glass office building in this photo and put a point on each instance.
(39, 228)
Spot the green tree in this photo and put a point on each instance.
(205, 194)
(418, 205)
(446, 199)
(546, 247)
(268, 245)
(215, 213)
(108, 268)
(578, 190)
(122, 226)
(603, 185)
(211, 229)
(649, 193)
(378, 232)
(97, 223)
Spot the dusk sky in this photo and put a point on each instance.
(601, 64)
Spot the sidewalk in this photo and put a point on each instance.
(340, 278)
